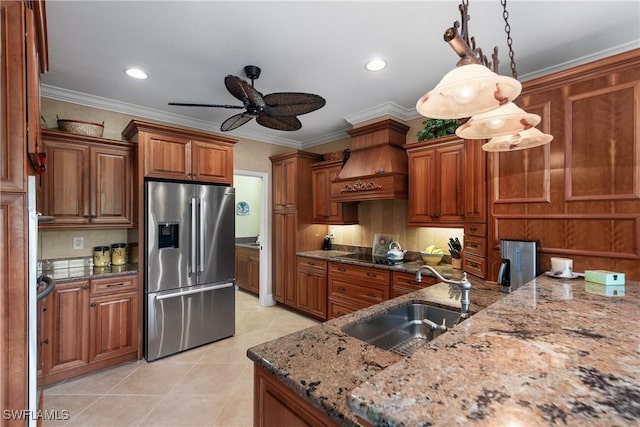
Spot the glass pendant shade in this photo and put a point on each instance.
(519, 141)
(507, 119)
(468, 90)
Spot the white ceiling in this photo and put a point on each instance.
(188, 47)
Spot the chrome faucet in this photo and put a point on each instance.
(464, 285)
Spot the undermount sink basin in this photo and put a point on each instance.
(401, 330)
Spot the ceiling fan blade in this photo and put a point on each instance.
(188, 104)
(292, 103)
(235, 87)
(235, 122)
(251, 98)
(288, 123)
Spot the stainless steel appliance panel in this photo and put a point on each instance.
(216, 225)
(189, 317)
(170, 258)
(519, 263)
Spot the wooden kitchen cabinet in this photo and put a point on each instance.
(312, 287)
(248, 269)
(293, 230)
(324, 210)
(436, 196)
(23, 57)
(181, 154)
(276, 405)
(90, 325)
(89, 181)
(353, 287)
(405, 283)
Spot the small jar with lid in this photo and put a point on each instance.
(119, 254)
(101, 256)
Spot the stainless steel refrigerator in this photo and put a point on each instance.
(190, 266)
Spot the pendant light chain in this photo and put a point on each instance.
(507, 29)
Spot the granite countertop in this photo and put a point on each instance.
(549, 353)
(77, 269)
(446, 270)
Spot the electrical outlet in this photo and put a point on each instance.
(78, 243)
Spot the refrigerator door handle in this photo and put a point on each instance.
(192, 240)
(201, 237)
(193, 291)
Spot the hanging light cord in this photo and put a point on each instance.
(507, 29)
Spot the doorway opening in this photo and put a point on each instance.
(252, 207)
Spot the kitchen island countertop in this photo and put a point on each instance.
(554, 351)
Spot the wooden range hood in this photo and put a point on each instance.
(377, 166)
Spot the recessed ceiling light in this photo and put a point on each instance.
(376, 64)
(136, 73)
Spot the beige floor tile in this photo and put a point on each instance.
(65, 407)
(208, 386)
(97, 382)
(209, 378)
(120, 411)
(152, 379)
(183, 411)
(237, 412)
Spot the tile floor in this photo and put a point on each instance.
(207, 386)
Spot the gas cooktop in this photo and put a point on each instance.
(373, 259)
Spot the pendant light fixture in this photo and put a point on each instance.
(475, 90)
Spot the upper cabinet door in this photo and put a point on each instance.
(111, 185)
(284, 183)
(212, 162)
(167, 157)
(66, 182)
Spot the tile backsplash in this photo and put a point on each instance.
(54, 244)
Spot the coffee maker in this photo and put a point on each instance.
(519, 265)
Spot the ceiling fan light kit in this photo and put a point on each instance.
(475, 90)
(275, 111)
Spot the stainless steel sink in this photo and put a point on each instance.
(402, 330)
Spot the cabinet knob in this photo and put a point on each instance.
(85, 287)
(93, 304)
(45, 341)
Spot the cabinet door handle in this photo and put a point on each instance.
(372, 296)
(342, 269)
(472, 245)
(113, 285)
(473, 229)
(372, 275)
(341, 289)
(85, 216)
(45, 341)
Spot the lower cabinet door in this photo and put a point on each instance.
(312, 292)
(66, 344)
(112, 323)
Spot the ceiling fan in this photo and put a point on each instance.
(275, 110)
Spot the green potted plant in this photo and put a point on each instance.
(436, 128)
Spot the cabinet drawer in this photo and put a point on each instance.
(367, 294)
(113, 284)
(340, 308)
(475, 246)
(364, 274)
(406, 280)
(474, 265)
(475, 229)
(312, 263)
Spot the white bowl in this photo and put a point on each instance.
(431, 259)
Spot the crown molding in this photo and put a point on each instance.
(80, 98)
(582, 60)
(388, 108)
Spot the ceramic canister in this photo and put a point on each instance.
(101, 256)
(119, 254)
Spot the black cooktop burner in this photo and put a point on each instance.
(373, 259)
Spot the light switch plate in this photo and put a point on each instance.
(78, 243)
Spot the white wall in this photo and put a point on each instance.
(248, 189)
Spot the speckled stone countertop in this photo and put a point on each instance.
(77, 269)
(549, 353)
